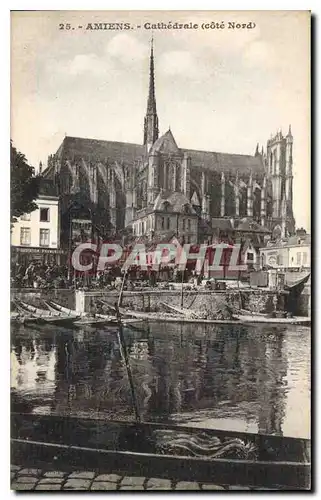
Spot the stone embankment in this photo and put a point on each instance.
(24, 479)
(254, 300)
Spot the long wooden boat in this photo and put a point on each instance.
(42, 315)
(255, 319)
(160, 450)
(36, 310)
(158, 316)
(239, 320)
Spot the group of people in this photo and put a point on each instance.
(39, 275)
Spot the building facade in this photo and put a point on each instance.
(158, 187)
(36, 236)
(293, 253)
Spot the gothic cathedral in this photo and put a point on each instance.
(157, 188)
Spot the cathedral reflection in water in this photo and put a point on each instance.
(232, 378)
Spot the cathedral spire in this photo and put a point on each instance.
(151, 118)
(151, 103)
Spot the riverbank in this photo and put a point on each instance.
(26, 479)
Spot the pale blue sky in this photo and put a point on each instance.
(219, 90)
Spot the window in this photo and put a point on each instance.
(189, 224)
(279, 260)
(25, 217)
(250, 256)
(25, 236)
(44, 214)
(44, 237)
(162, 223)
(168, 223)
(298, 258)
(305, 258)
(183, 224)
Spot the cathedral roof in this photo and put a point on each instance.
(165, 144)
(210, 160)
(125, 152)
(99, 150)
(226, 162)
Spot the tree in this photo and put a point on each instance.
(24, 185)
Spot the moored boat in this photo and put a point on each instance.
(168, 317)
(237, 319)
(160, 450)
(43, 315)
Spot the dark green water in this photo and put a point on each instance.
(236, 378)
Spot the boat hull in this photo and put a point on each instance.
(283, 475)
(122, 447)
(240, 320)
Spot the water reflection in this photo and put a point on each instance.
(236, 378)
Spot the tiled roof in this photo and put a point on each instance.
(47, 188)
(222, 224)
(250, 226)
(299, 240)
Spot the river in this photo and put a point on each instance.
(253, 378)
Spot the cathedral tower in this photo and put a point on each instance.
(275, 153)
(279, 171)
(151, 118)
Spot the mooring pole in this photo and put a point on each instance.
(128, 369)
(122, 288)
(182, 290)
(123, 347)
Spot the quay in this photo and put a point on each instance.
(254, 300)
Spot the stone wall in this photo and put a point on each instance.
(252, 300)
